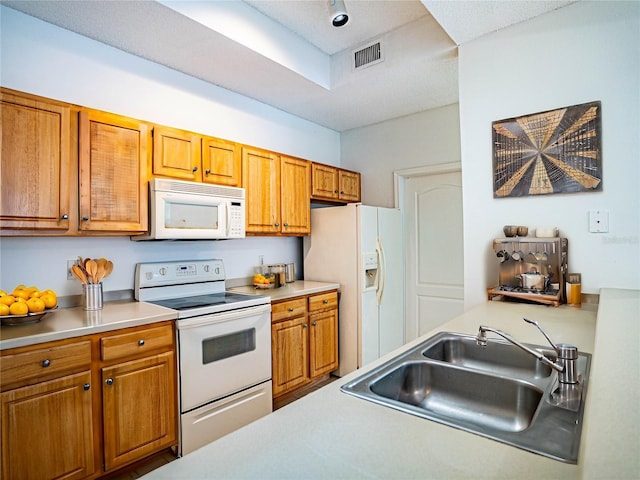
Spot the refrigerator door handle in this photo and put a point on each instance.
(381, 271)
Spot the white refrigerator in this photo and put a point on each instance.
(361, 248)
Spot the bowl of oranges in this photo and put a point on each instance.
(26, 305)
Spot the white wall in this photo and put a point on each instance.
(585, 52)
(376, 151)
(39, 58)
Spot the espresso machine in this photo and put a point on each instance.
(533, 269)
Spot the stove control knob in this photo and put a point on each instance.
(206, 267)
(149, 275)
(163, 271)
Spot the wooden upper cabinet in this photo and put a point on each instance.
(221, 162)
(295, 195)
(261, 181)
(177, 154)
(112, 162)
(325, 181)
(349, 183)
(334, 184)
(35, 165)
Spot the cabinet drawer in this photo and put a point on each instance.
(323, 301)
(136, 342)
(45, 362)
(288, 309)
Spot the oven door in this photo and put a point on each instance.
(223, 353)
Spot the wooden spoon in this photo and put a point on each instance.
(102, 262)
(108, 268)
(92, 270)
(79, 274)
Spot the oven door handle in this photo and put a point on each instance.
(214, 318)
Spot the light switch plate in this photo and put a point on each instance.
(598, 221)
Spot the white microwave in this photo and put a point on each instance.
(180, 210)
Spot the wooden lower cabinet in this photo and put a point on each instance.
(139, 408)
(85, 407)
(304, 340)
(47, 429)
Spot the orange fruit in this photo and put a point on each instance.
(35, 305)
(22, 293)
(35, 294)
(4, 309)
(7, 299)
(49, 299)
(19, 308)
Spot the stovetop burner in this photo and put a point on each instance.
(186, 303)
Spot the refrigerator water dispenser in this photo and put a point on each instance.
(370, 263)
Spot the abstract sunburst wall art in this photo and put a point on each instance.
(549, 152)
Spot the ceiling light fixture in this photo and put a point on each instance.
(339, 15)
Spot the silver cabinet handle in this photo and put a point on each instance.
(325, 301)
(109, 381)
(85, 219)
(286, 224)
(305, 325)
(207, 171)
(277, 224)
(86, 386)
(141, 342)
(46, 363)
(64, 217)
(291, 309)
(195, 169)
(314, 324)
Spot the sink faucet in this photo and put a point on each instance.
(567, 354)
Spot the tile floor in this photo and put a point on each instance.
(163, 458)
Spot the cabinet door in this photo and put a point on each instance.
(35, 164)
(325, 181)
(323, 342)
(177, 153)
(47, 430)
(261, 180)
(113, 184)
(289, 340)
(221, 162)
(349, 186)
(295, 194)
(139, 408)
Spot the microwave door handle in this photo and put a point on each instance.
(227, 210)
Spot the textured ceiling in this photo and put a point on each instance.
(419, 70)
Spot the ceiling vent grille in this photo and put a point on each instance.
(368, 55)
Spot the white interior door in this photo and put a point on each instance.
(432, 208)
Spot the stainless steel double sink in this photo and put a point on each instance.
(497, 391)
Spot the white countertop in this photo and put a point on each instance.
(289, 290)
(329, 434)
(76, 322)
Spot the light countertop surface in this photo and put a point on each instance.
(76, 322)
(329, 434)
(289, 290)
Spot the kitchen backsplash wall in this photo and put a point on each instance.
(43, 261)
